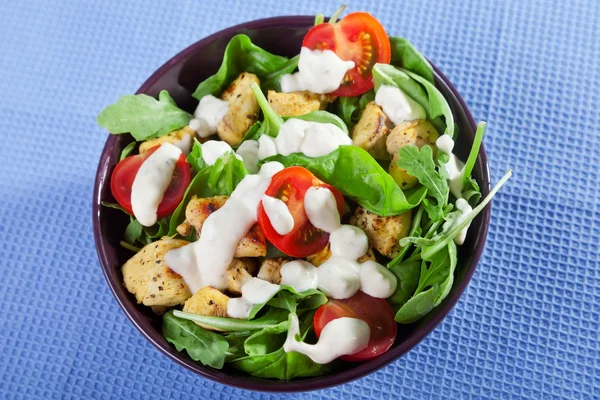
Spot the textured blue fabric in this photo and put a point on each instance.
(526, 327)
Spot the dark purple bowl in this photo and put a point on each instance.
(180, 75)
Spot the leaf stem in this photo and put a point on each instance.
(126, 245)
(271, 116)
(319, 19)
(474, 151)
(336, 14)
(225, 324)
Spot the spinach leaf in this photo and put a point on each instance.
(195, 157)
(288, 299)
(349, 108)
(242, 55)
(272, 121)
(116, 206)
(207, 347)
(419, 163)
(255, 131)
(127, 150)
(418, 306)
(408, 278)
(267, 340)
(405, 55)
(133, 232)
(272, 317)
(323, 117)
(236, 345)
(272, 79)
(356, 174)
(198, 186)
(143, 116)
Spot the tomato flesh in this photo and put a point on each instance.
(124, 174)
(289, 186)
(377, 313)
(357, 37)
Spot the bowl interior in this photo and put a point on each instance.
(180, 76)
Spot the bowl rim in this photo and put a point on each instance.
(304, 384)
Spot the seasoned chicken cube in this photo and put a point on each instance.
(207, 301)
(151, 281)
(418, 133)
(239, 272)
(270, 270)
(323, 255)
(243, 109)
(182, 138)
(383, 232)
(372, 130)
(293, 104)
(198, 209)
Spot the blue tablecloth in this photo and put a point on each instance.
(526, 327)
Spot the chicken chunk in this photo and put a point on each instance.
(372, 130)
(293, 104)
(243, 109)
(419, 133)
(270, 270)
(239, 272)
(198, 209)
(182, 138)
(383, 232)
(207, 301)
(319, 258)
(151, 281)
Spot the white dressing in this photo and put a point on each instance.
(279, 215)
(208, 114)
(321, 209)
(205, 262)
(314, 139)
(454, 167)
(213, 149)
(465, 208)
(397, 105)
(248, 150)
(300, 275)
(339, 277)
(254, 291)
(185, 144)
(151, 182)
(238, 307)
(376, 280)
(319, 71)
(349, 241)
(341, 336)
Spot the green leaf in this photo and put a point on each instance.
(406, 56)
(127, 150)
(198, 186)
(350, 108)
(241, 55)
(357, 175)
(434, 272)
(446, 285)
(471, 191)
(272, 121)
(195, 158)
(468, 168)
(255, 131)
(419, 163)
(207, 347)
(408, 278)
(133, 231)
(227, 172)
(143, 116)
(415, 231)
(236, 345)
(267, 340)
(272, 80)
(116, 206)
(274, 316)
(323, 117)
(418, 306)
(288, 299)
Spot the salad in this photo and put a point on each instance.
(306, 208)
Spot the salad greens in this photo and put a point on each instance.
(144, 116)
(406, 56)
(241, 55)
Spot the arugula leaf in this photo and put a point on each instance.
(408, 279)
(127, 150)
(207, 347)
(357, 175)
(267, 340)
(195, 158)
(405, 55)
(446, 285)
(436, 272)
(243, 55)
(143, 116)
(236, 345)
(273, 317)
(418, 306)
(468, 168)
(471, 191)
(272, 121)
(415, 231)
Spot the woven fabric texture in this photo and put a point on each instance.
(526, 327)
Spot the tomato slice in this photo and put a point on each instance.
(375, 312)
(289, 186)
(124, 174)
(357, 37)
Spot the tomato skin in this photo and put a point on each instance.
(121, 182)
(290, 185)
(377, 313)
(357, 37)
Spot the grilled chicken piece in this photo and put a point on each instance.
(418, 133)
(319, 258)
(243, 109)
(239, 272)
(207, 301)
(293, 104)
(270, 270)
(182, 138)
(198, 209)
(151, 281)
(383, 232)
(372, 130)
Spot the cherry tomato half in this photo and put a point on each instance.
(289, 186)
(375, 312)
(124, 174)
(357, 37)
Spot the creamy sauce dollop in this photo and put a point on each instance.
(209, 112)
(397, 105)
